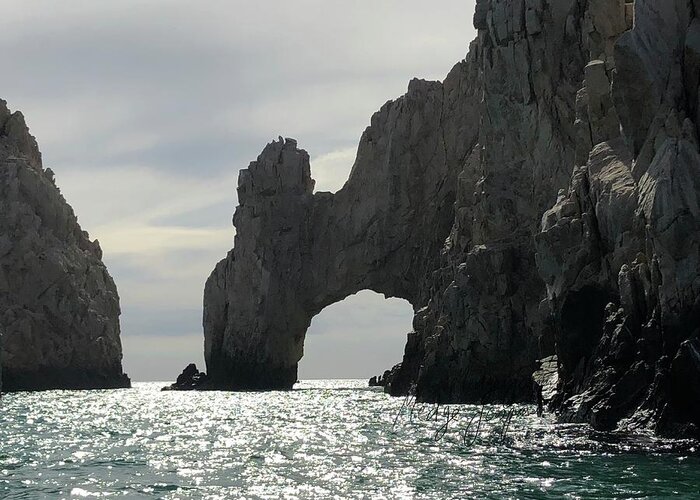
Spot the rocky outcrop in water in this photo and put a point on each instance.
(541, 203)
(479, 333)
(190, 379)
(384, 380)
(297, 251)
(59, 308)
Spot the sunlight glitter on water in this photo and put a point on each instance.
(325, 439)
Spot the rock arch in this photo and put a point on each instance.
(442, 208)
(575, 193)
(297, 251)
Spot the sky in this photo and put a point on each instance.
(147, 109)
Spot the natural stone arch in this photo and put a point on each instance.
(296, 252)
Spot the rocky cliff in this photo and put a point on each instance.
(59, 308)
(542, 200)
(479, 333)
(619, 251)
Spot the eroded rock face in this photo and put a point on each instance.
(297, 251)
(619, 251)
(59, 308)
(489, 144)
(479, 334)
(542, 202)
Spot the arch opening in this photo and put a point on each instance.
(356, 338)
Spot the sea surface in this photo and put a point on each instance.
(325, 439)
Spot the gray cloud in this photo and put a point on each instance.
(359, 337)
(146, 110)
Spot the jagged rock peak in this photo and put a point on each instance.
(59, 307)
(15, 139)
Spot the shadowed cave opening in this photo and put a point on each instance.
(582, 320)
(357, 337)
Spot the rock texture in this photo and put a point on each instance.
(297, 251)
(190, 379)
(59, 308)
(384, 380)
(542, 202)
(479, 333)
(619, 249)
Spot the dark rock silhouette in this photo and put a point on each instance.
(385, 379)
(59, 308)
(190, 378)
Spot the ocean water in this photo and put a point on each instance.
(325, 439)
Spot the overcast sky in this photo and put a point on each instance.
(147, 109)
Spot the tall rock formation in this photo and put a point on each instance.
(59, 308)
(479, 334)
(542, 200)
(296, 252)
(619, 251)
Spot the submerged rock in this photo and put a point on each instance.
(59, 308)
(190, 378)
